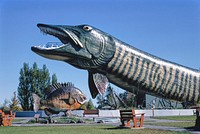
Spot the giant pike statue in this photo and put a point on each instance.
(108, 59)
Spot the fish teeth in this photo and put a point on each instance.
(51, 45)
(52, 31)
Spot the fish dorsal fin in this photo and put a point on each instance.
(57, 85)
(97, 83)
(68, 84)
(51, 88)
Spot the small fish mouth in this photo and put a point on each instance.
(67, 37)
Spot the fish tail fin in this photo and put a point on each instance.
(36, 102)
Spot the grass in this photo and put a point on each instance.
(66, 119)
(17, 120)
(84, 129)
(173, 124)
(176, 118)
(184, 121)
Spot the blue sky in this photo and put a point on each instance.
(169, 29)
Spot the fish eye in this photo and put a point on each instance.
(87, 28)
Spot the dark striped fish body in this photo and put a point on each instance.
(131, 68)
(109, 59)
(59, 98)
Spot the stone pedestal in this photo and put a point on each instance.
(197, 123)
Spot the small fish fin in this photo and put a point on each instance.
(97, 83)
(36, 102)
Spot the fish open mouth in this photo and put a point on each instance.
(67, 37)
(69, 47)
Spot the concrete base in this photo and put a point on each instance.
(197, 123)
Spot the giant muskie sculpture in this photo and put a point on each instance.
(109, 59)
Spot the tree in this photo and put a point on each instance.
(14, 106)
(5, 106)
(32, 80)
(112, 100)
(128, 98)
(54, 79)
(1, 106)
(100, 101)
(83, 106)
(90, 105)
(108, 99)
(44, 80)
(24, 87)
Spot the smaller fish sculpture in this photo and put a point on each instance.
(59, 98)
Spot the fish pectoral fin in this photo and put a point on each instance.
(97, 84)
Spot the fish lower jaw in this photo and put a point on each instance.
(55, 57)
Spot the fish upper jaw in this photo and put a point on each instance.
(63, 34)
(69, 48)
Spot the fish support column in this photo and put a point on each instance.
(197, 123)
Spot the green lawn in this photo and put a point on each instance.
(84, 129)
(17, 120)
(173, 124)
(185, 121)
(177, 118)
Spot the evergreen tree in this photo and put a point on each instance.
(54, 79)
(108, 99)
(100, 101)
(44, 80)
(5, 105)
(1, 106)
(90, 105)
(24, 87)
(32, 80)
(128, 98)
(14, 106)
(83, 106)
